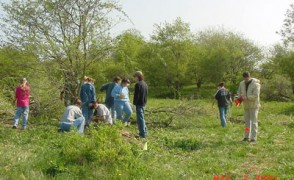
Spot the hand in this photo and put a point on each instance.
(121, 96)
(244, 98)
(98, 118)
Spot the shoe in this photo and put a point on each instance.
(245, 140)
(13, 127)
(253, 141)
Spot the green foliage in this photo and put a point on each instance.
(287, 30)
(70, 34)
(174, 40)
(190, 144)
(127, 47)
(277, 88)
(192, 148)
(226, 55)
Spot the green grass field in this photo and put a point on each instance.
(193, 146)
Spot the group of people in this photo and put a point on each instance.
(117, 105)
(117, 102)
(248, 93)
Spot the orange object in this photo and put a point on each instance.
(238, 102)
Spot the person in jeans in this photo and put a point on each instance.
(140, 100)
(73, 117)
(87, 95)
(223, 97)
(120, 93)
(249, 92)
(22, 96)
(109, 101)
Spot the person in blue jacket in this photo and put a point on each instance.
(87, 96)
(120, 93)
(109, 100)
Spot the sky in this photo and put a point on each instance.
(257, 20)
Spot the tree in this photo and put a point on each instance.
(225, 55)
(71, 33)
(127, 48)
(285, 64)
(287, 31)
(174, 42)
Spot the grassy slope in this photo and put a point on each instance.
(192, 148)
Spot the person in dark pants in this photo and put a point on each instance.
(223, 97)
(109, 100)
(140, 100)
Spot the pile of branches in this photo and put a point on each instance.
(165, 116)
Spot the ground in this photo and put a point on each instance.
(192, 146)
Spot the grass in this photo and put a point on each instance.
(192, 147)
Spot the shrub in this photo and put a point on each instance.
(101, 149)
(278, 88)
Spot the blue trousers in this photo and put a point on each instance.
(21, 111)
(141, 121)
(223, 115)
(87, 113)
(79, 123)
(122, 106)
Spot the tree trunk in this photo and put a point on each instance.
(70, 91)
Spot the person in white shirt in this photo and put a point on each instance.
(73, 117)
(102, 113)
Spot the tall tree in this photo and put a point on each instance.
(174, 41)
(72, 33)
(285, 54)
(226, 55)
(287, 31)
(127, 48)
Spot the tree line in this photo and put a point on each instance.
(56, 43)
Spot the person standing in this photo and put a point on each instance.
(73, 117)
(223, 97)
(140, 100)
(120, 93)
(109, 101)
(88, 96)
(249, 92)
(22, 96)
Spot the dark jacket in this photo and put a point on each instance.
(109, 102)
(223, 97)
(141, 92)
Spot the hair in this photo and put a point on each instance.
(139, 74)
(22, 80)
(116, 79)
(126, 81)
(78, 102)
(86, 78)
(246, 74)
(221, 84)
(140, 77)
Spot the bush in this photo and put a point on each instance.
(6, 109)
(102, 150)
(277, 89)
